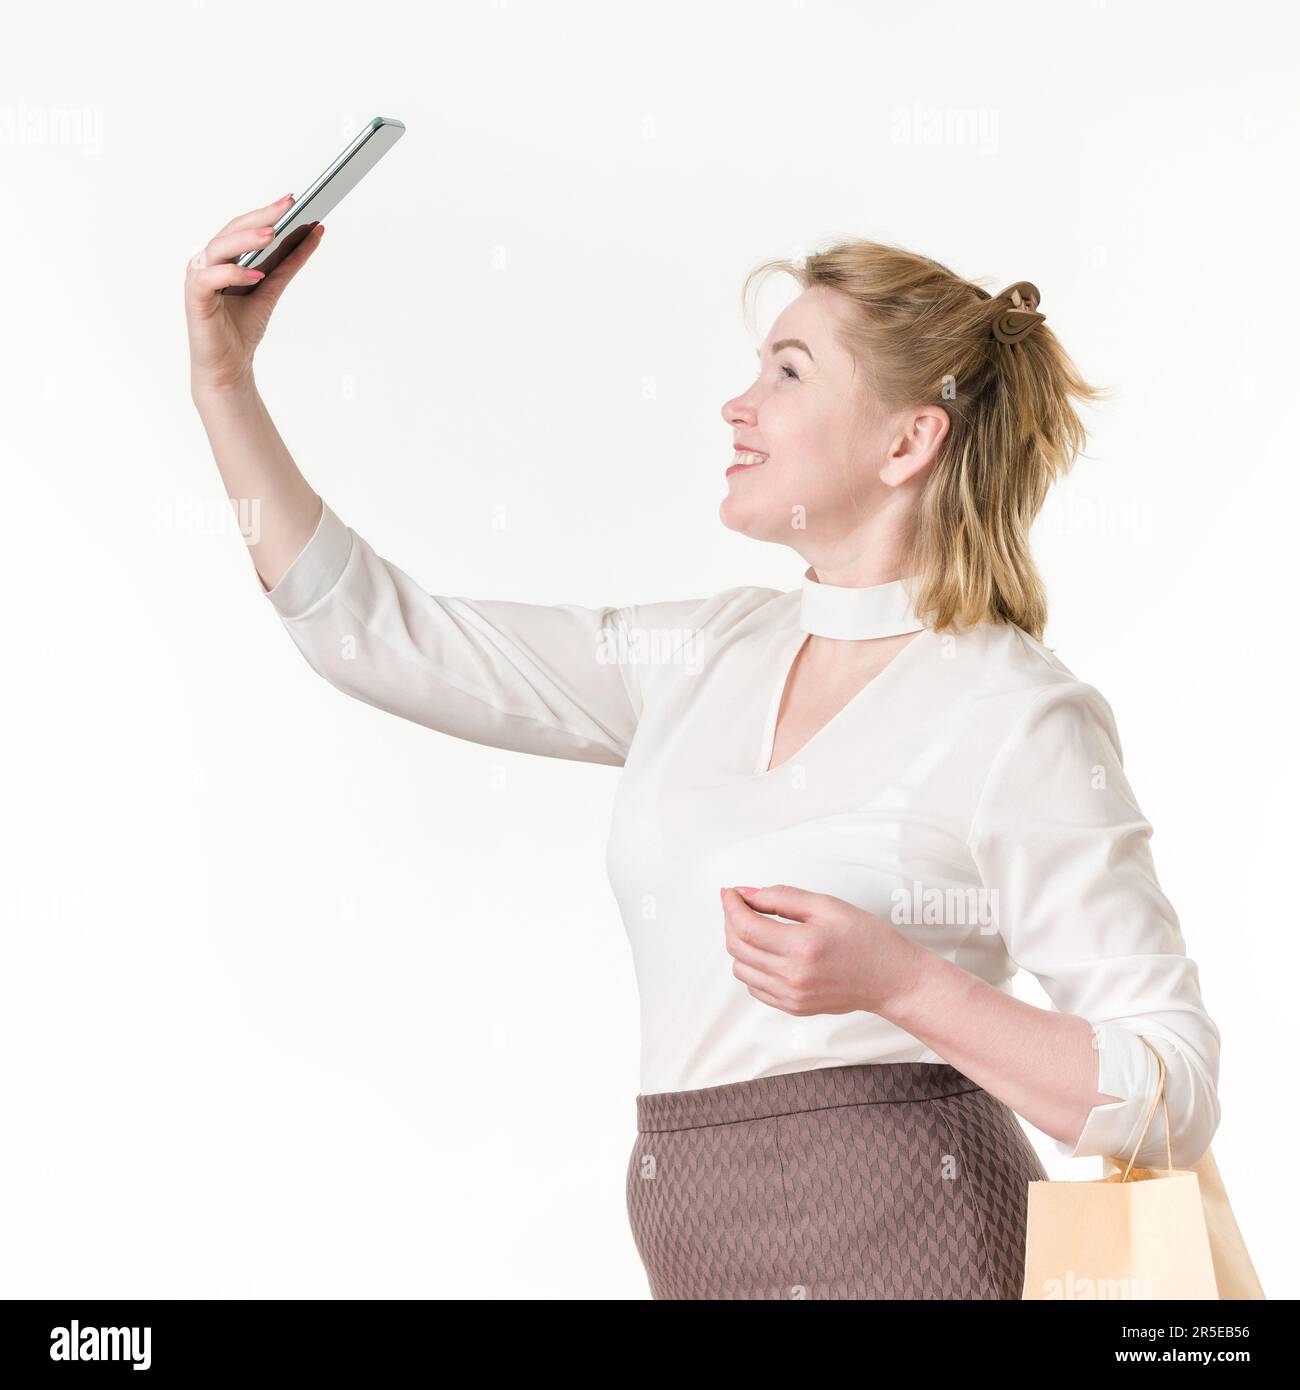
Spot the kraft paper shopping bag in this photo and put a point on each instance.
(1137, 1234)
(1234, 1272)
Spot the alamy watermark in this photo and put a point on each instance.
(77, 1343)
(945, 907)
(75, 126)
(210, 516)
(919, 124)
(649, 646)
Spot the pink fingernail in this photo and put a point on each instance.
(264, 231)
(742, 888)
(285, 199)
(258, 274)
(722, 893)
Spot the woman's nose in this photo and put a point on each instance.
(738, 411)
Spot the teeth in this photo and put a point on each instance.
(742, 456)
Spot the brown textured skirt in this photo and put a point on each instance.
(891, 1180)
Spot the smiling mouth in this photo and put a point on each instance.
(744, 459)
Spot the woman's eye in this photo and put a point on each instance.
(790, 371)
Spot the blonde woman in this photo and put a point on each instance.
(849, 811)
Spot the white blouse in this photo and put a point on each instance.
(972, 794)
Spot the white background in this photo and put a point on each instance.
(298, 999)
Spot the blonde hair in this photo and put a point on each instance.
(923, 336)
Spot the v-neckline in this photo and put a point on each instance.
(774, 707)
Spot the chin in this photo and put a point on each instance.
(744, 519)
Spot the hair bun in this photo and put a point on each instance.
(1017, 305)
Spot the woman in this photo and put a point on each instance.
(832, 1063)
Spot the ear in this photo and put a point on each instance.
(916, 444)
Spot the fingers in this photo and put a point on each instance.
(225, 246)
(280, 275)
(750, 954)
(761, 986)
(259, 216)
(202, 284)
(745, 920)
(797, 904)
(206, 274)
(245, 233)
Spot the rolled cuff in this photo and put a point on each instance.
(315, 570)
(1125, 1068)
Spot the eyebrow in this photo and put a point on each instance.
(784, 343)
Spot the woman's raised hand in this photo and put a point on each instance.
(224, 330)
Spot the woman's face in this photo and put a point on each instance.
(824, 442)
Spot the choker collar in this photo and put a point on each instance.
(878, 610)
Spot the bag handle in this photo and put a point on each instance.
(1160, 1096)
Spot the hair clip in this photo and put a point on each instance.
(1011, 324)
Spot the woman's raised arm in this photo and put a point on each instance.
(562, 680)
(558, 680)
(224, 332)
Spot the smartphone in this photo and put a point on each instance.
(325, 194)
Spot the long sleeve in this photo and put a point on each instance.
(560, 681)
(1059, 837)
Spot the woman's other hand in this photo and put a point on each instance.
(829, 958)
